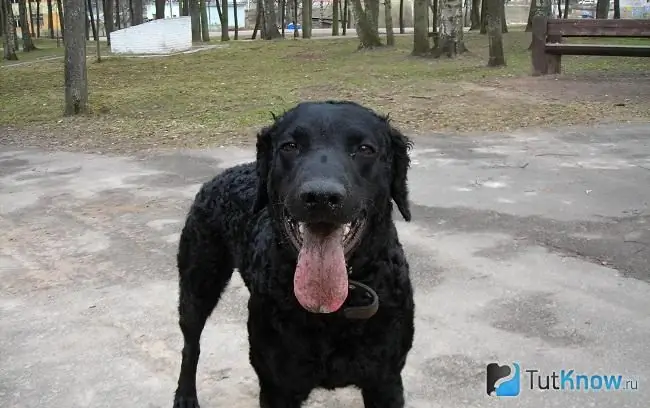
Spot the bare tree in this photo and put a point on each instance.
(39, 20)
(450, 33)
(494, 31)
(365, 24)
(617, 9)
(346, 18)
(28, 43)
(92, 19)
(136, 12)
(108, 19)
(390, 34)
(50, 18)
(421, 45)
(8, 31)
(336, 4)
(118, 20)
(269, 21)
(160, 9)
(475, 15)
(223, 18)
(205, 28)
(306, 18)
(401, 17)
(31, 19)
(602, 8)
(541, 7)
(76, 80)
(234, 7)
(195, 15)
(566, 8)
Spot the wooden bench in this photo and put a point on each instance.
(547, 46)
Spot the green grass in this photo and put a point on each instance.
(49, 48)
(224, 94)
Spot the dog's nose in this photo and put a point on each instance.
(322, 194)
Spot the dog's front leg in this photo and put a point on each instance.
(384, 394)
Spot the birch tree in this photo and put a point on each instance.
(74, 39)
(388, 16)
(365, 24)
(450, 32)
(28, 43)
(421, 45)
(495, 33)
(9, 31)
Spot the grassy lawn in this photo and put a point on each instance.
(222, 95)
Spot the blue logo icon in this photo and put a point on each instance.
(503, 381)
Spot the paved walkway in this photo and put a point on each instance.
(531, 247)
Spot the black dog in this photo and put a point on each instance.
(310, 228)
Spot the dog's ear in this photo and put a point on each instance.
(400, 146)
(263, 164)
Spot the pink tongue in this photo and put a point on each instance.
(320, 282)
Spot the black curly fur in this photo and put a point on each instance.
(233, 223)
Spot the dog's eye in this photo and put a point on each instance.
(289, 147)
(366, 149)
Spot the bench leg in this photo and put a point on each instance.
(554, 64)
(538, 45)
(554, 61)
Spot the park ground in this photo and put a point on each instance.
(530, 246)
(222, 95)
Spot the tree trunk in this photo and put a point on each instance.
(421, 28)
(602, 8)
(258, 19)
(118, 19)
(483, 16)
(31, 19)
(475, 15)
(306, 18)
(9, 31)
(136, 12)
(195, 15)
(372, 6)
(566, 8)
(367, 31)
(39, 19)
(235, 14)
(108, 20)
(28, 43)
(89, 5)
(87, 21)
(335, 17)
(345, 16)
(390, 35)
(401, 17)
(59, 9)
(270, 21)
(617, 9)
(223, 18)
(494, 31)
(160, 9)
(531, 13)
(283, 10)
(205, 28)
(539, 7)
(450, 42)
(295, 18)
(50, 18)
(76, 83)
(504, 22)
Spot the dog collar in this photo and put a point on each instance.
(362, 312)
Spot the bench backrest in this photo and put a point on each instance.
(596, 27)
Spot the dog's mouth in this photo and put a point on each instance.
(321, 277)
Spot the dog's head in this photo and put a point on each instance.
(327, 169)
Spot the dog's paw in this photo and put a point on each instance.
(186, 402)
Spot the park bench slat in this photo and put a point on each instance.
(599, 49)
(598, 28)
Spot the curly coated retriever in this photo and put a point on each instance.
(310, 228)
